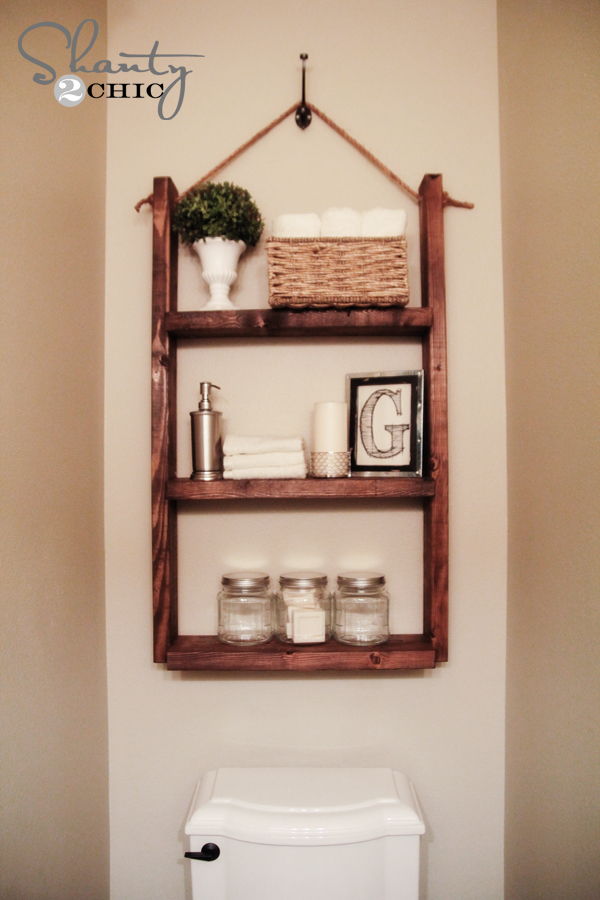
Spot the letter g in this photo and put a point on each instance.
(366, 426)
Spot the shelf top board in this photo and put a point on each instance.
(255, 323)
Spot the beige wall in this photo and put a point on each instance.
(549, 77)
(399, 76)
(54, 770)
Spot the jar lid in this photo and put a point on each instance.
(245, 579)
(303, 579)
(360, 579)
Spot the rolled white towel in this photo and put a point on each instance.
(298, 471)
(297, 225)
(341, 222)
(381, 222)
(236, 443)
(250, 460)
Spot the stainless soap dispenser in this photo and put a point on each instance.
(207, 446)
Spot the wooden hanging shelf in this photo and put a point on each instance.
(170, 328)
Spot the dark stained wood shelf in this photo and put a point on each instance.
(408, 651)
(300, 489)
(170, 327)
(309, 323)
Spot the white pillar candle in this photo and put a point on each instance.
(330, 427)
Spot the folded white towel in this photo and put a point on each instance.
(235, 443)
(297, 225)
(249, 460)
(297, 471)
(342, 222)
(381, 222)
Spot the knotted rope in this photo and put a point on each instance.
(448, 201)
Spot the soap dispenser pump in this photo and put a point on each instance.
(207, 446)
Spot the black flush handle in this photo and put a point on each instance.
(208, 853)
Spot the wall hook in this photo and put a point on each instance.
(303, 113)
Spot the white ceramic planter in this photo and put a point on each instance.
(219, 258)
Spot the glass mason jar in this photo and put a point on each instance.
(361, 609)
(303, 608)
(245, 608)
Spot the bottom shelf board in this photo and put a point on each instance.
(401, 651)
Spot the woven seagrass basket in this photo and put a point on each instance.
(338, 272)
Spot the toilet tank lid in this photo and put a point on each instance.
(307, 806)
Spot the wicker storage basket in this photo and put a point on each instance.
(340, 272)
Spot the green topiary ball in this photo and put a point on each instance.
(218, 210)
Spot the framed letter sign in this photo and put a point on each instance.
(386, 423)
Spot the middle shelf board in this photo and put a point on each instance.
(261, 323)
(300, 488)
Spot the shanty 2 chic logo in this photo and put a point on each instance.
(71, 90)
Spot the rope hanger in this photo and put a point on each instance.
(303, 114)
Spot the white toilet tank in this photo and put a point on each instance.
(304, 834)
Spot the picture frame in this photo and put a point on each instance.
(385, 423)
